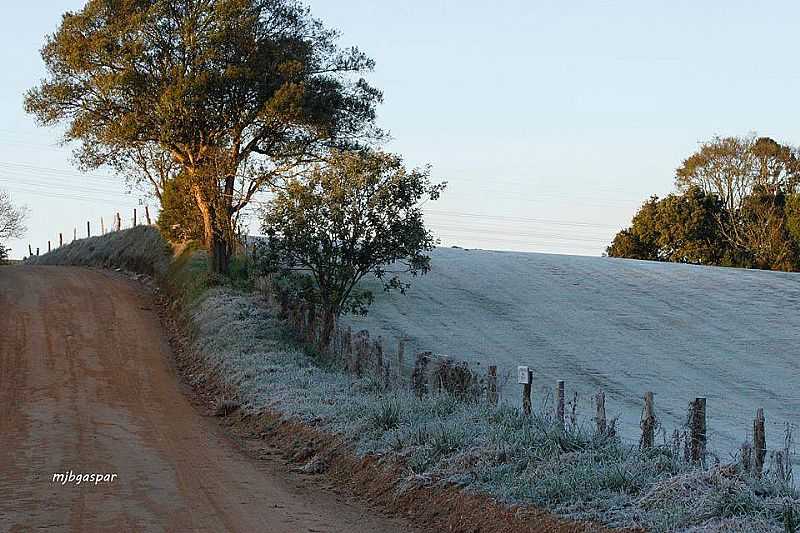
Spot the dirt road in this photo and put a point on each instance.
(86, 386)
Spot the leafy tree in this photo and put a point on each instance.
(679, 228)
(733, 168)
(240, 93)
(767, 240)
(12, 222)
(179, 218)
(357, 214)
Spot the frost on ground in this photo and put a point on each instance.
(624, 326)
(576, 473)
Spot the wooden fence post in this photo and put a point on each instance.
(30, 250)
(560, 403)
(147, 216)
(491, 385)
(419, 377)
(401, 354)
(88, 229)
(74, 234)
(48, 247)
(697, 429)
(746, 456)
(600, 414)
(525, 378)
(648, 423)
(134, 217)
(119, 222)
(37, 251)
(60, 240)
(102, 226)
(759, 442)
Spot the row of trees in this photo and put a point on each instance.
(738, 204)
(211, 102)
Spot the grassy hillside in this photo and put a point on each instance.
(625, 326)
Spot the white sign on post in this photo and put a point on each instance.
(523, 375)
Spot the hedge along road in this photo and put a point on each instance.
(86, 386)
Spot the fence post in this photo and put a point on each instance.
(697, 429)
(560, 403)
(74, 234)
(37, 251)
(746, 456)
(60, 240)
(759, 442)
(600, 413)
(491, 385)
(134, 217)
(401, 354)
(102, 226)
(119, 222)
(147, 214)
(648, 423)
(525, 378)
(48, 247)
(88, 229)
(419, 377)
(30, 250)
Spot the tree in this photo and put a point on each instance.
(733, 168)
(679, 228)
(179, 219)
(12, 222)
(357, 214)
(240, 93)
(765, 231)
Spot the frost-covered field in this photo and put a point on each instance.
(625, 326)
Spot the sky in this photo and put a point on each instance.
(550, 121)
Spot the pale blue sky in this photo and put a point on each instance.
(552, 122)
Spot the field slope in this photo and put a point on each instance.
(625, 326)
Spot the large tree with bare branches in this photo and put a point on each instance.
(12, 221)
(239, 93)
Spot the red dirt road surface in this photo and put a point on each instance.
(86, 385)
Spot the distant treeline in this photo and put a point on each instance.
(737, 204)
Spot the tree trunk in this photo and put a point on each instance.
(215, 234)
(328, 325)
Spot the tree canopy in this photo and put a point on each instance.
(737, 205)
(239, 93)
(357, 214)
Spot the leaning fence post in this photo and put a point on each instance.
(759, 442)
(30, 250)
(560, 403)
(648, 423)
(491, 385)
(697, 429)
(60, 240)
(147, 216)
(600, 413)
